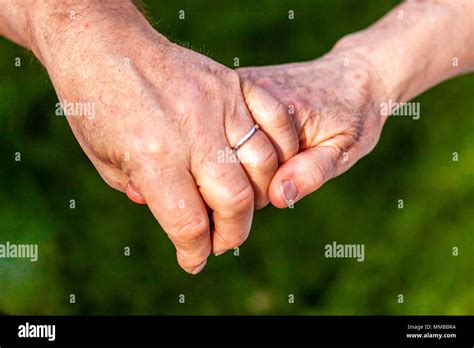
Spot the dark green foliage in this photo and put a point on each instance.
(408, 251)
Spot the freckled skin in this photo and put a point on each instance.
(162, 115)
(143, 142)
(337, 98)
(332, 107)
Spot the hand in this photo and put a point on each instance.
(339, 101)
(335, 103)
(164, 114)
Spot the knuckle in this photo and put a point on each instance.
(223, 77)
(153, 147)
(279, 116)
(234, 240)
(323, 169)
(231, 76)
(145, 171)
(190, 229)
(316, 174)
(143, 154)
(190, 259)
(264, 160)
(240, 199)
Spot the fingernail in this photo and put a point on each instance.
(134, 189)
(219, 253)
(199, 268)
(289, 191)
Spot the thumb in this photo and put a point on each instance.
(302, 175)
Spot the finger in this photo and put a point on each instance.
(272, 117)
(228, 192)
(174, 200)
(257, 156)
(302, 175)
(134, 194)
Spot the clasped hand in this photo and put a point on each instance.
(166, 114)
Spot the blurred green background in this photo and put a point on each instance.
(408, 251)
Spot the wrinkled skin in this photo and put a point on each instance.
(163, 113)
(335, 103)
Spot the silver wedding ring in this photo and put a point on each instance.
(246, 137)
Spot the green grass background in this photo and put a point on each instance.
(408, 251)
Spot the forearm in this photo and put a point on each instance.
(50, 28)
(14, 21)
(78, 41)
(417, 45)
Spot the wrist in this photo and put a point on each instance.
(391, 74)
(360, 73)
(416, 46)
